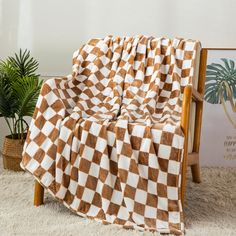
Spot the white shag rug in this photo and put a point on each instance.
(210, 209)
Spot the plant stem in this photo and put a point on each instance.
(22, 128)
(13, 125)
(9, 126)
(18, 126)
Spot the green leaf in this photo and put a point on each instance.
(215, 75)
(27, 91)
(8, 104)
(19, 86)
(226, 64)
(232, 65)
(24, 64)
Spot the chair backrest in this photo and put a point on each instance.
(94, 63)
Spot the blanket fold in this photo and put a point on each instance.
(106, 140)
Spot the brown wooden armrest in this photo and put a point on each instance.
(185, 127)
(186, 109)
(197, 96)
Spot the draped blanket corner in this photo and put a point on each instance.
(106, 140)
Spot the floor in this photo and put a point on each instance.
(210, 209)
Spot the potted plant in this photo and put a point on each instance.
(19, 90)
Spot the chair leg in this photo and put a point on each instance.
(196, 173)
(38, 194)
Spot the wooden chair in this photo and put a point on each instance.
(191, 95)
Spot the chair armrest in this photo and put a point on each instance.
(186, 109)
(60, 87)
(197, 96)
(184, 123)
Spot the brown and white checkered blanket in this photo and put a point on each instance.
(106, 140)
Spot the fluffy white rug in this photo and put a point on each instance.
(210, 209)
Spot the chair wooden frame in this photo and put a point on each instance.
(189, 159)
(192, 159)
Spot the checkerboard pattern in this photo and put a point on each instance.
(106, 140)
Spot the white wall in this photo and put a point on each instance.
(53, 29)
